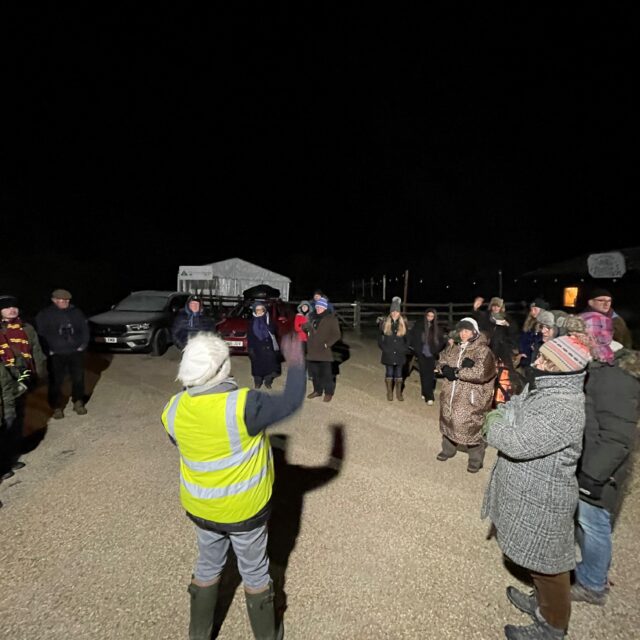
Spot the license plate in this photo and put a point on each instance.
(234, 343)
(111, 340)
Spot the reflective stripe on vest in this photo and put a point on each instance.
(226, 474)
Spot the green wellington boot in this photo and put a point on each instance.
(262, 615)
(203, 606)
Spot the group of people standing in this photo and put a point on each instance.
(29, 356)
(560, 402)
(564, 452)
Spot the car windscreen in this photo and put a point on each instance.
(142, 303)
(241, 311)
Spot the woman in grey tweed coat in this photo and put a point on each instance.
(532, 494)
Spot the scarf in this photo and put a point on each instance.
(193, 316)
(600, 327)
(14, 339)
(260, 327)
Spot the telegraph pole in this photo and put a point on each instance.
(406, 289)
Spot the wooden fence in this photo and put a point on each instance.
(358, 315)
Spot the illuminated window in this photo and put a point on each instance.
(570, 296)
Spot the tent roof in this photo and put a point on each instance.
(578, 265)
(235, 267)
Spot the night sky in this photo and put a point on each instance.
(137, 140)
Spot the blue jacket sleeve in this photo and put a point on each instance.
(263, 410)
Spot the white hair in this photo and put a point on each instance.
(205, 360)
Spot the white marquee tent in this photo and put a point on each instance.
(229, 278)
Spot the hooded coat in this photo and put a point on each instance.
(465, 402)
(188, 323)
(532, 493)
(264, 351)
(612, 407)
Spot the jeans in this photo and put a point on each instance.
(393, 371)
(594, 538)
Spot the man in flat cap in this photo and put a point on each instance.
(64, 332)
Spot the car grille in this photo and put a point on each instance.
(108, 330)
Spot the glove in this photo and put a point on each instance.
(467, 363)
(449, 372)
(491, 418)
(590, 486)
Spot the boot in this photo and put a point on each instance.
(389, 383)
(539, 630)
(449, 449)
(58, 414)
(476, 458)
(203, 606)
(262, 615)
(79, 408)
(580, 593)
(526, 603)
(399, 389)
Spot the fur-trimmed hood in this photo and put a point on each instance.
(629, 361)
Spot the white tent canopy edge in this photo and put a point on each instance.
(229, 278)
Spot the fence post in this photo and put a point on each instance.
(356, 315)
(451, 326)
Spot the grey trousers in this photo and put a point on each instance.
(250, 548)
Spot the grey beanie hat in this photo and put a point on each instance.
(546, 318)
(395, 304)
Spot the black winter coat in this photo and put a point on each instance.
(612, 404)
(187, 324)
(265, 360)
(62, 331)
(394, 347)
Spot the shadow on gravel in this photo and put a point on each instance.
(292, 481)
(37, 410)
(341, 353)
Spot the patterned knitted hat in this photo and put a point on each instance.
(567, 353)
(322, 302)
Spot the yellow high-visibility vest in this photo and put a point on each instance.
(226, 475)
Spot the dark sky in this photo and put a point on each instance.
(136, 141)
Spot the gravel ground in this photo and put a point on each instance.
(389, 544)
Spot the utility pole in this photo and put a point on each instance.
(384, 288)
(406, 289)
(500, 283)
(372, 287)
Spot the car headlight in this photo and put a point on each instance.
(139, 326)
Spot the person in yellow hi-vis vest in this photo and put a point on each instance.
(226, 474)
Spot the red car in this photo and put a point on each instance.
(233, 328)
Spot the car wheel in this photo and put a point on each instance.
(159, 342)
